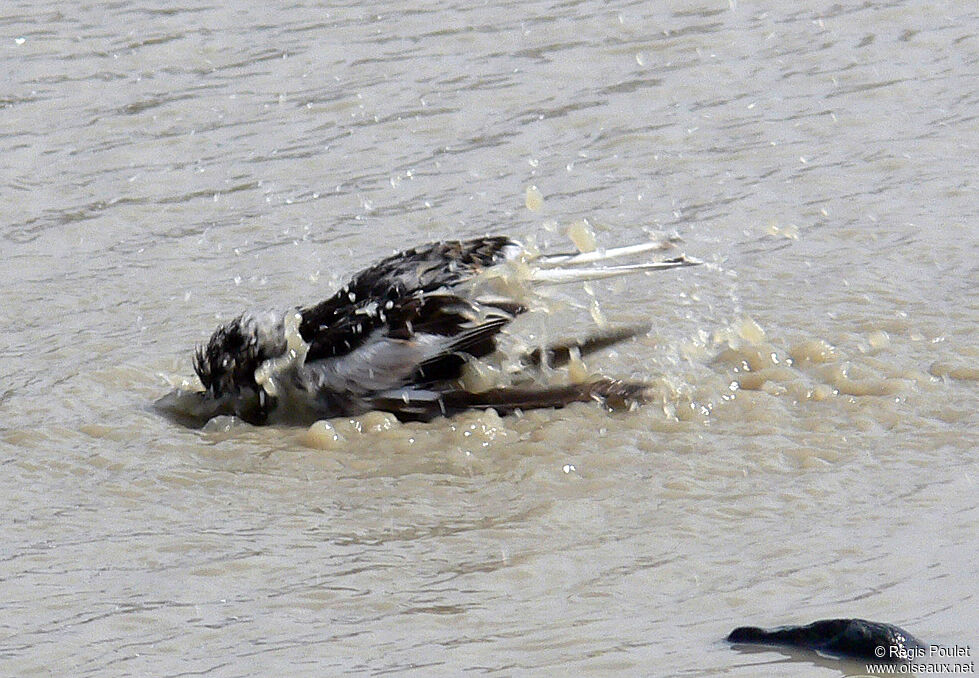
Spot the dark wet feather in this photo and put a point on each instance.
(401, 294)
(426, 405)
(559, 354)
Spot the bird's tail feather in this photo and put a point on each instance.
(583, 266)
(569, 275)
(411, 405)
(556, 355)
(599, 255)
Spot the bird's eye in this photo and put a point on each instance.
(225, 361)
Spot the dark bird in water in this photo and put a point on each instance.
(399, 334)
(845, 638)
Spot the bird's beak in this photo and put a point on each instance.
(255, 413)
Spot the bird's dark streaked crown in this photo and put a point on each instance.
(228, 362)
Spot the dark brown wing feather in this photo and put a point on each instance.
(559, 354)
(403, 294)
(505, 400)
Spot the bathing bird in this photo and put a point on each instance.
(398, 336)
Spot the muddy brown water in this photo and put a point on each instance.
(812, 447)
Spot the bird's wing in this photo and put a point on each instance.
(429, 267)
(418, 339)
(401, 288)
(424, 269)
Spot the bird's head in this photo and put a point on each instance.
(226, 366)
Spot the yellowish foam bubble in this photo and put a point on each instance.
(750, 331)
(821, 392)
(478, 428)
(577, 370)
(813, 351)
(955, 371)
(479, 376)
(790, 231)
(867, 386)
(744, 331)
(268, 373)
(377, 421)
(878, 340)
(534, 199)
(583, 236)
(757, 380)
(322, 435)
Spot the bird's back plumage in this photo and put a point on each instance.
(407, 293)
